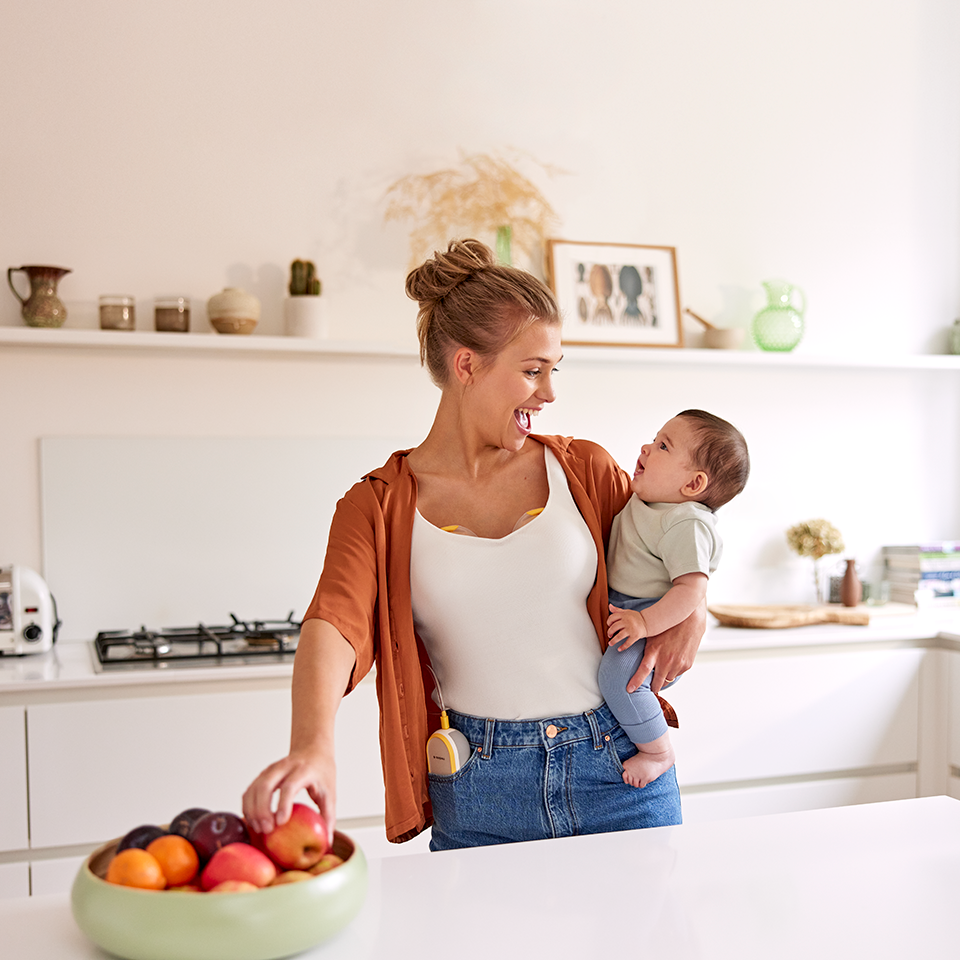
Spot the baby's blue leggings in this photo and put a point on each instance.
(639, 713)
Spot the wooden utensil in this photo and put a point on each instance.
(776, 617)
(697, 317)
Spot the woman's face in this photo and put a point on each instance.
(510, 389)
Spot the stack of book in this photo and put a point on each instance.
(926, 574)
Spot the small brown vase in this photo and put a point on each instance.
(851, 590)
(43, 308)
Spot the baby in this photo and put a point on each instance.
(663, 547)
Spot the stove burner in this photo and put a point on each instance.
(242, 641)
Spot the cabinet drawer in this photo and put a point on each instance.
(953, 714)
(99, 768)
(787, 797)
(14, 880)
(796, 714)
(13, 779)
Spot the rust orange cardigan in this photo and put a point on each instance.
(364, 591)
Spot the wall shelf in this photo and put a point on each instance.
(264, 345)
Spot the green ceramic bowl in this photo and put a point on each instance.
(257, 925)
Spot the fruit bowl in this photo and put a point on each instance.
(264, 924)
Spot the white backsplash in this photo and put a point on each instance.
(169, 531)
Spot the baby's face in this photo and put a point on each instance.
(666, 465)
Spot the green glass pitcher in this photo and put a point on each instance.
(779, 325)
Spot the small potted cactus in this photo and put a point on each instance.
(304, 281)
(301, 309)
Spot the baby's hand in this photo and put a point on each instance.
(625, 627)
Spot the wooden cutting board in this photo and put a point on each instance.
(780, 616)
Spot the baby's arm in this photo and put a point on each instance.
(626, 627)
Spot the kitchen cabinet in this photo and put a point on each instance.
(14, 880)
(797, 714)
(771, 722)
(953, 727)
(100, 767)
(14, 832)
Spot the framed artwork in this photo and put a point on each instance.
(616, 294)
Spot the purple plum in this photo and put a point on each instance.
(183, 823)
(140, 837)
(215, 830)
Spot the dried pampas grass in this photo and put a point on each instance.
(483, 196)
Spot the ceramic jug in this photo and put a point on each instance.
(779, 325)
(43, 308)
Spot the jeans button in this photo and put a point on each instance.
(551, 731)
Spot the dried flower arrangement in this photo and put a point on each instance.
(485, 194)
(816, 539)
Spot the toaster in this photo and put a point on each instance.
(28, 622)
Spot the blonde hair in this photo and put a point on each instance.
(468, 299)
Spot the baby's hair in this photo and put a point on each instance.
(721, 452)
(468, 299)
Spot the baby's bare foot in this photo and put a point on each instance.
(644, 768)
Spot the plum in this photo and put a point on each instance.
(140, 837)
(215, 830)
(183, 823)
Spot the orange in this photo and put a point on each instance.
(177, 858)
(134, 867)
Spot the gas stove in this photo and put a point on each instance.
(240, 642)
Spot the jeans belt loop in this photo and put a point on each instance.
(489, 727)
(594, 729)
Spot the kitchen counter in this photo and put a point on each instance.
(879, 880)
(70, 665)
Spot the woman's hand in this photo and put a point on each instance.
(315, 773)
(672, 652)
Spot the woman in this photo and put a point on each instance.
(509, 615)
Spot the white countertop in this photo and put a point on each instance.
(878, 880)
(70, 665)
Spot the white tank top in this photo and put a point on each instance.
(505, 621)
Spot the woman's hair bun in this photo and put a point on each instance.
(435, 278)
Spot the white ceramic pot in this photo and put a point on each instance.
(233, 311)
(304, 317)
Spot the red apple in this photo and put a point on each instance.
(238, 861)
(290, 876)
(234, 886)
(300, 842)
(327, 862)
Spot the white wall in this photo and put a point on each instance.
(181, 147)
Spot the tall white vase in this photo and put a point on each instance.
(304, 317)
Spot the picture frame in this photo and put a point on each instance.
(616, 294)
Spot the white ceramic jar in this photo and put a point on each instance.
(233, 310)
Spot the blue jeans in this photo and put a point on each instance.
(537, 779)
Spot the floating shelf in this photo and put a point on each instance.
(152, 341)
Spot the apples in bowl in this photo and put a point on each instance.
(256, 910)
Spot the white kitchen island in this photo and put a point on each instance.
(879, 880)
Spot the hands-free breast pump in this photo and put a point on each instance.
(447, 749)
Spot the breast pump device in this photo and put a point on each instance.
(447, 749)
